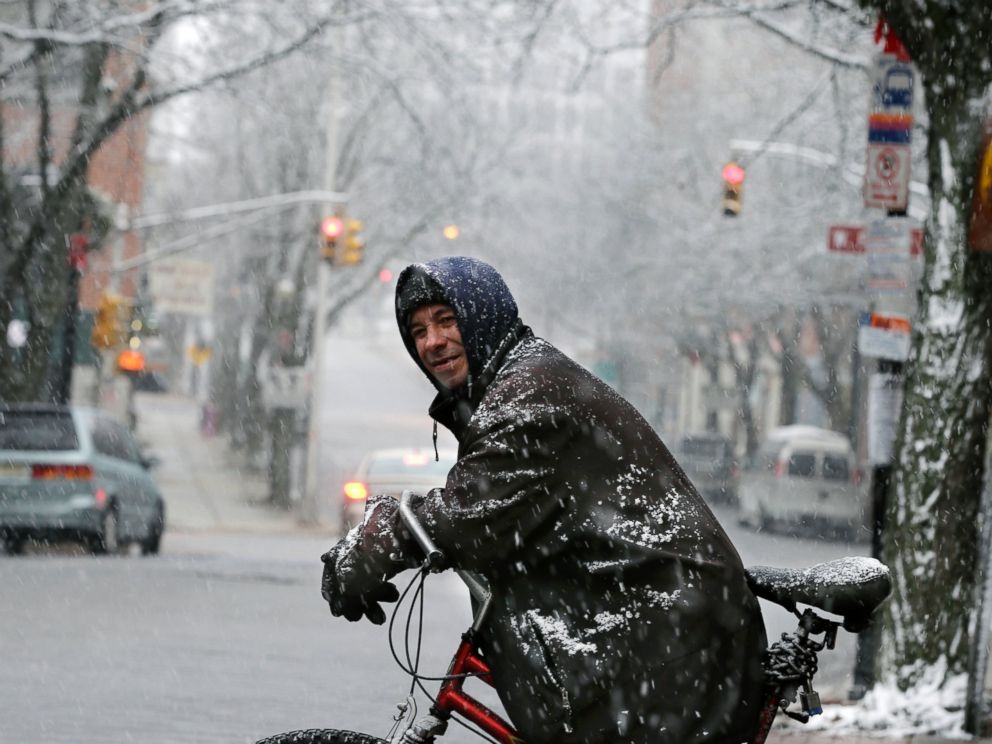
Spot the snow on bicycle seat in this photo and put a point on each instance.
(851, 587)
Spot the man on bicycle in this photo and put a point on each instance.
(621, 611)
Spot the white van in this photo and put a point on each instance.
(804, 476)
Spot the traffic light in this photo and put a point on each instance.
(110, 323)
(354, 243)
(733, 181)
(331, 229)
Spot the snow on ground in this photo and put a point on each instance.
(887, 712)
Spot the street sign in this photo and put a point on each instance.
(887, 175)
(182, 285)
(890, 132)
(199, 355)
(888, 245)
(891, 128)
(851, 239)
(884, 336)
(884, 407)
(892, 85)
(845, 239)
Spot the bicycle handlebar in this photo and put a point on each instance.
(433, 554)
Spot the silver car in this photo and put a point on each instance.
(78, 473)
(392, 471)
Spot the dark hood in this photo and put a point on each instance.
(483, 304)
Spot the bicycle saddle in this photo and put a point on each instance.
(850, 587)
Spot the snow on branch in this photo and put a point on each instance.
(103, 31)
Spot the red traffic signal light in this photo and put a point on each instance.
(733, 174)
(331, 228)
(733, 181)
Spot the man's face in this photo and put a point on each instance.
(435, 333)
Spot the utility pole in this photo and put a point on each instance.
(309, 507)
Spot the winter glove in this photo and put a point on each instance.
(356, 569)
(348, 600)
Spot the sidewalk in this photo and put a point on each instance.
(786, 731)
(205, 485)
(798, 737)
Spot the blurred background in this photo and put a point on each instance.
(206, 206)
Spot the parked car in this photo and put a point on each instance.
(709, 461)
(804, 476)
(73, 472)
(392, 471)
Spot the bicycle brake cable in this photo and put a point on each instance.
(408, 667)
(416, 679)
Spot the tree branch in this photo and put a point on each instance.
(826, 53)
(102, 33)
(131, 103)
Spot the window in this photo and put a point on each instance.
(802, 464)
(113, 440)
(37, 430)
(702, 447)
(835, 468)
(766, 458)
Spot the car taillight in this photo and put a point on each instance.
(856, 476)
(779, 468)
(355, 490)
(61, 472)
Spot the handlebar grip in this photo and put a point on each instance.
(433, 554)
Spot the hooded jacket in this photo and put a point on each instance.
(621, 611)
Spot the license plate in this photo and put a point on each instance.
(13, 471)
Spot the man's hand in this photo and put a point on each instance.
(350, 601)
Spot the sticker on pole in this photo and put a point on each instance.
(884, 407)
(884, 336)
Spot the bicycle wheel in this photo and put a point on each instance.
(322, 736)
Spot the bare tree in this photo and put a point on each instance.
(74, 75)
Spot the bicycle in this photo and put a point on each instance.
(852, 588)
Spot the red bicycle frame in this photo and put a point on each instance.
(467, 664)
(452, 699)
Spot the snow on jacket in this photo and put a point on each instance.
(621, 611)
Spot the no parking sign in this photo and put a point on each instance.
(887, 176)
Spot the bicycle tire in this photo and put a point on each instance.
(322, 736)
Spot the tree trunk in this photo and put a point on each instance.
(931, 545)
(790, 368)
